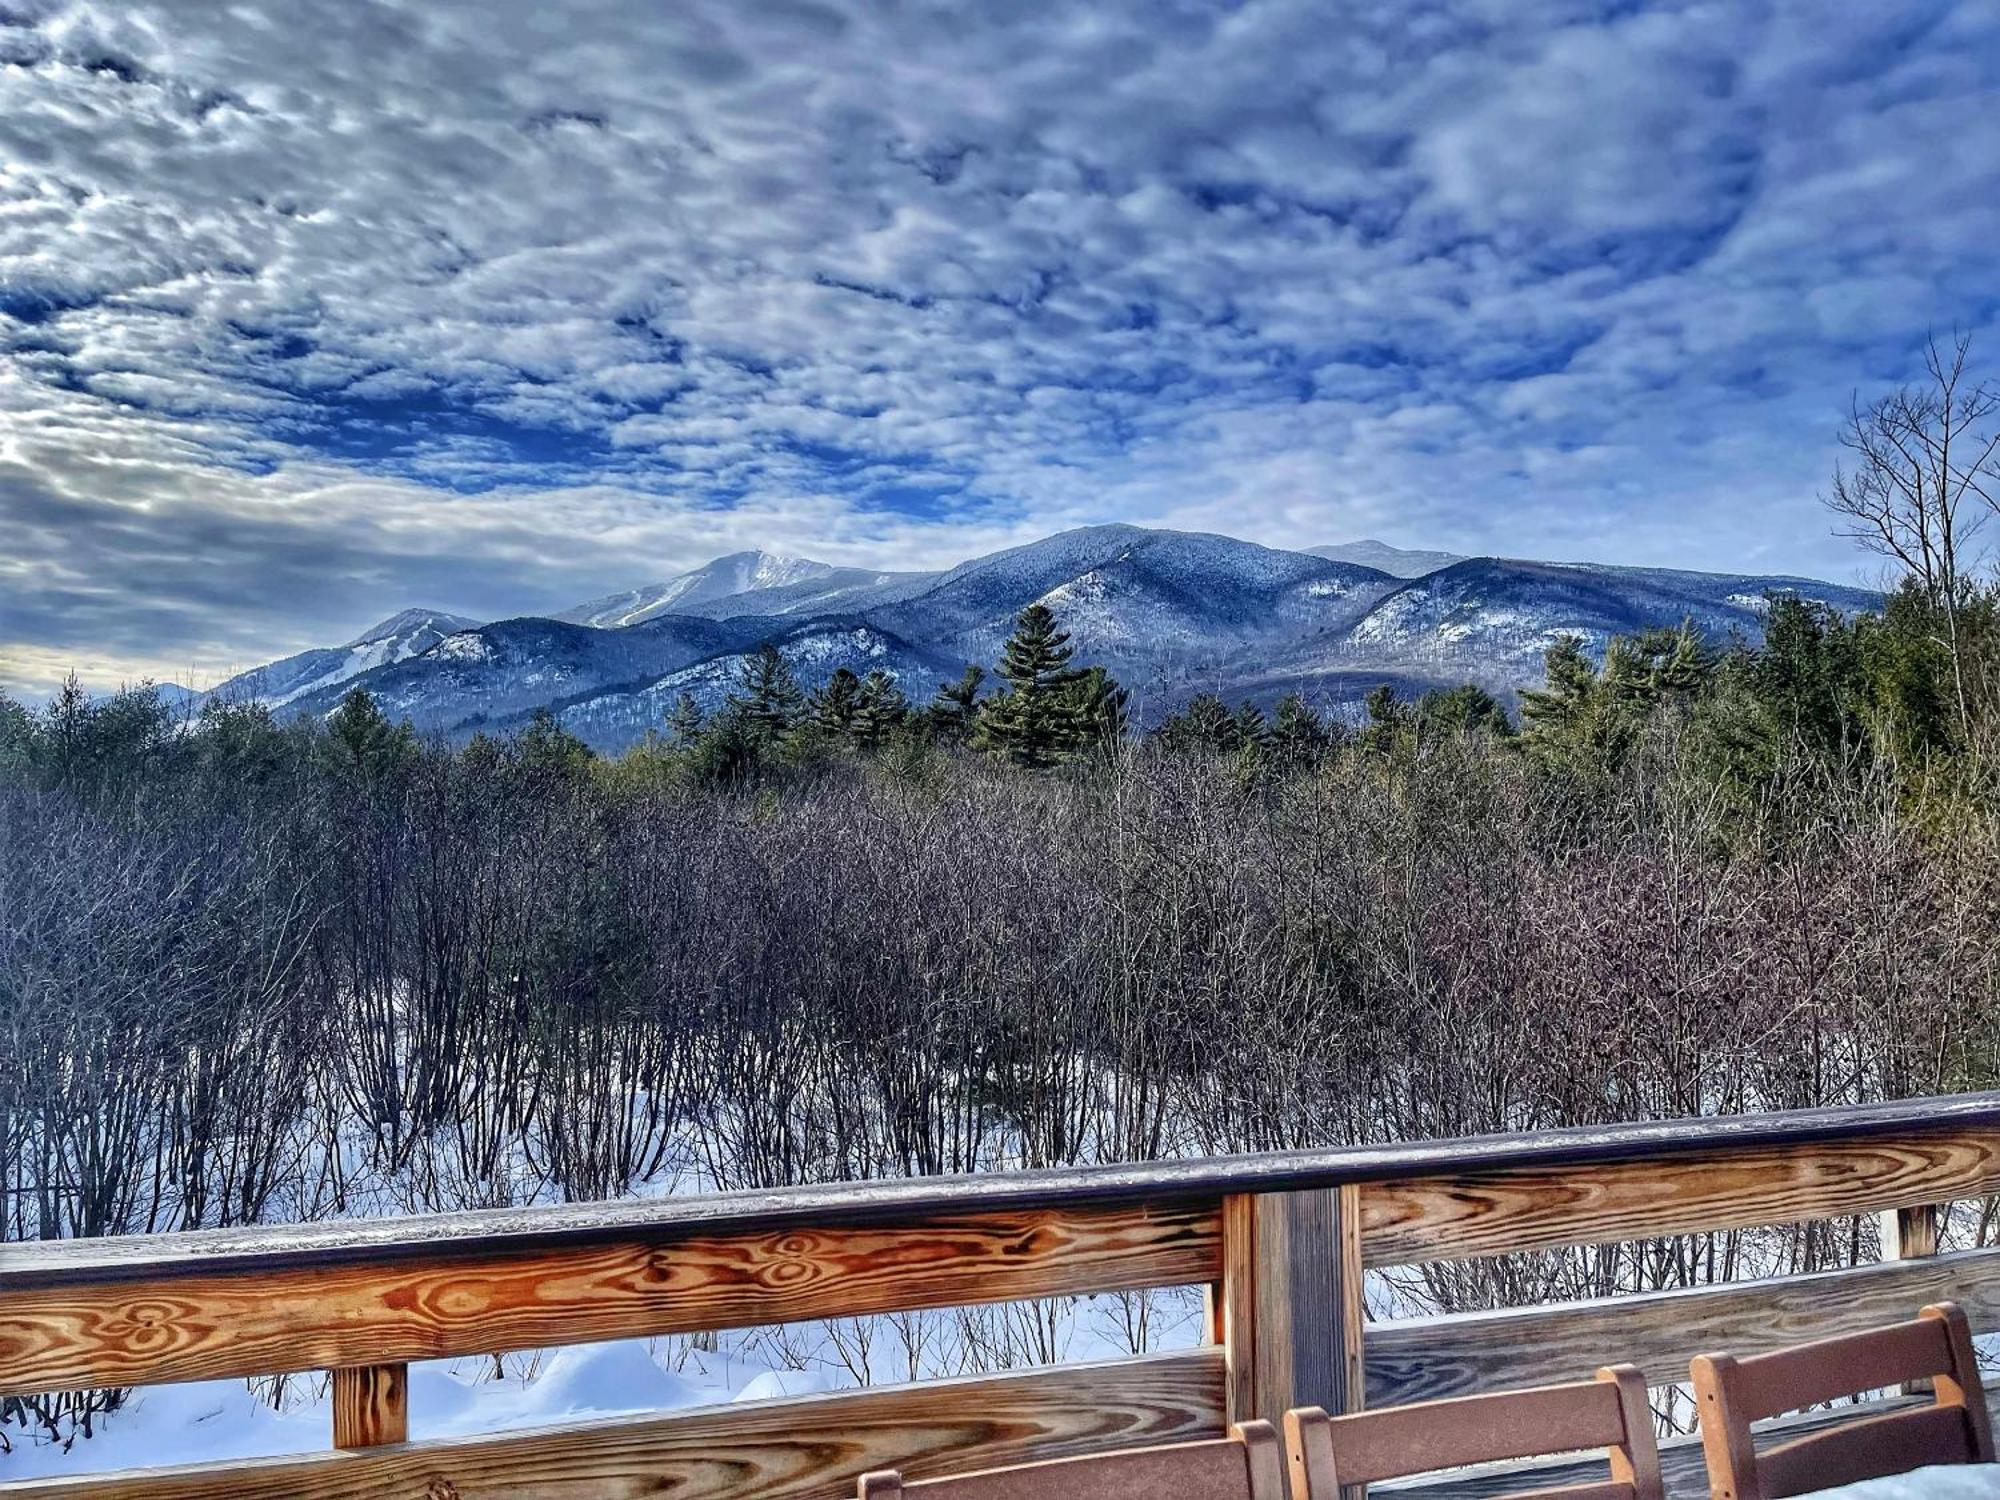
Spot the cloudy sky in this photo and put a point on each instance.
(312, 311)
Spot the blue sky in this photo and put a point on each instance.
(308, 313)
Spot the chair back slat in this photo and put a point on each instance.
(1249, 1465)
(1815, 1373)
(1730, 1394)
(1611, 1413)
(1894, 1443)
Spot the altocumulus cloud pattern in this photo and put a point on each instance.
(308, 312)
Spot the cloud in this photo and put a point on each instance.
(308, 313)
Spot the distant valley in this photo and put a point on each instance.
(1170, 613)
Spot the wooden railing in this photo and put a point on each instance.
(1282, 1241)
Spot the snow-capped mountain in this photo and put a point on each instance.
(1131, 596)
(1491, 620)
(409, 633)
(728, 582)
(1403, 562)
(1170, 613)
(489, 673)
(816, 650)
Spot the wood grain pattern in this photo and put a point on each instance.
(1298, 1345)
(258, 1322)
(1422, 1359)
(1470, 1214)
(1235, 1297)
(1912, 1234)
(371, 1405)
(661, 1221)
(811, 1448)
(1351, 1290)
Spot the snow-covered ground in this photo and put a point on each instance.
(216, 1420)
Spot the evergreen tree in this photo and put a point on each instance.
(836, 707)
(1589, 721)
(954, 713)
(1205, 725)
(1101, 710)
(1253, 730)
(1034, 722)
(1465, 709)
(767, 699)
(1809, 676)
(17, 735)
(883, 710)
(684, 723)
(242, 742)
(547, 750)
(363, 741)
(1658, 666)
(1388, 718)
(731, 750)
(1298, 735)
(1554, 713)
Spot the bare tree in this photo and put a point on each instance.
(1924, 456)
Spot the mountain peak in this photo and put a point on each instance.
(411, 622)
(732, 573)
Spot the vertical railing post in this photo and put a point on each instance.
(1912, 1234)
(371, 1406)
(1289, 1304)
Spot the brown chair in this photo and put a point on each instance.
(1953, 1428)
(1250, 1465)
(1610, 1412)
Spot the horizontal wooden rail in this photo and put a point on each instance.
(266, 1320)
(1422, 1359)
(1448, 1217)
(776, 1450)
(1280, 1240)
(663, 1221)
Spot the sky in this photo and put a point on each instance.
(309, 313)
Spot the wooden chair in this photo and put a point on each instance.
(1250, 1465)
(1732, 1393)
(1610, 1412)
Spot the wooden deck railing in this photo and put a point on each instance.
(1283, 1241)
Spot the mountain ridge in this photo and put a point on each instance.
(1170, 613)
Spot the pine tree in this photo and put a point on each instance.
(836, 708)
(1034, 723)
(883, 710)
(1252, 729)
(17, 735)
(1388, 718)
(1465, 709)
(954, 713)
(1557, 711)
(1207, 724)
(684, 723)
(1299, 737)
(362, 739)
(547, 749)
(1101, 710)
(767, 698)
